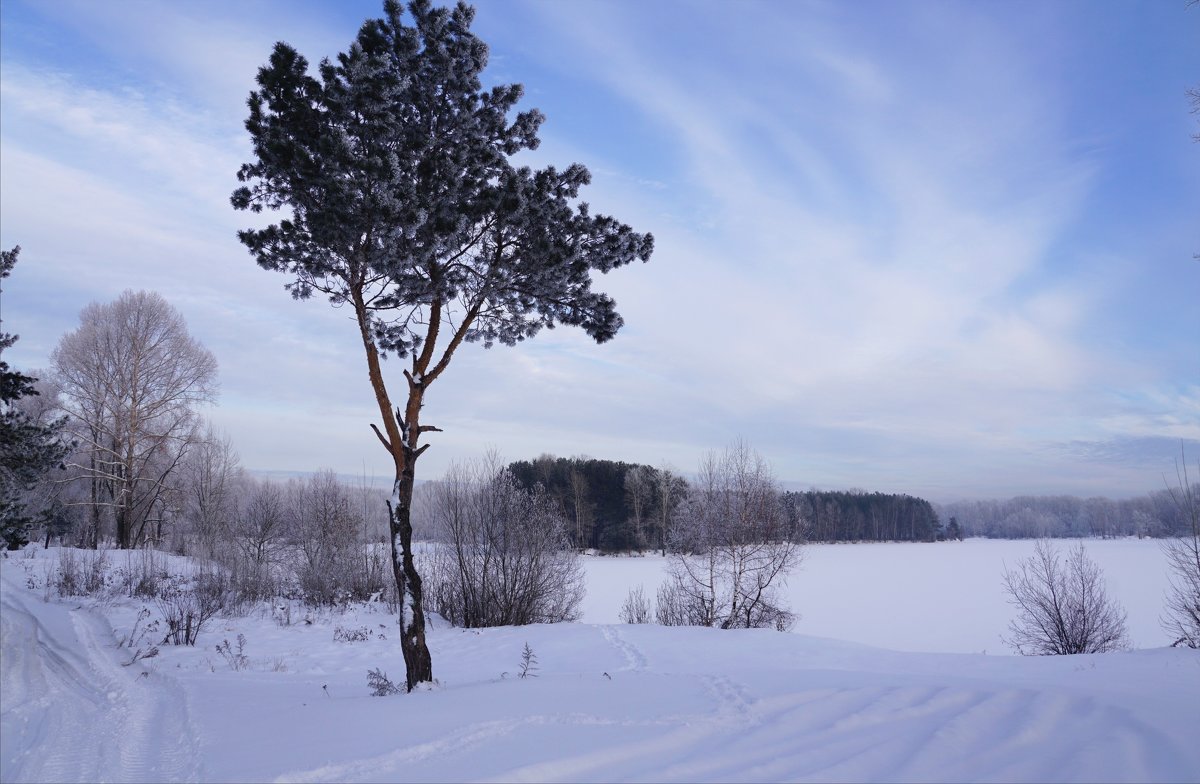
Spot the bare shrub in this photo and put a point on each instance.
(342, 634)
(253, 581)
(1062, 607)
(732, 548)
(236, 658)
(371, 578)
(678, 606)
(1181, 619)
(144, 575)
(79, 574)
(186, 610)
(503, 556)
(135, 639)
(327, 535)
(635, 608)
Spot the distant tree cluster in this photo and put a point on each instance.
(613, 506)
(857, 516)
(1063, 516)
(609, 505)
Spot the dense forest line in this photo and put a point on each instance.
(856, 516)
(613, 506)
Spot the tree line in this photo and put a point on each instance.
(1154, 514)
(613, 506)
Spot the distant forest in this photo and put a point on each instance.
(613, 506)
(1025, 517)
(616, 506)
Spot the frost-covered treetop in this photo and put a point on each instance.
(393, 164)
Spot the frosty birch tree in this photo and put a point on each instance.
(211, 474)
(732, 548)
(669, 489)
(401, 204)
(131, 377)
(639, 490)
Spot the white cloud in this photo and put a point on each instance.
(858, 254)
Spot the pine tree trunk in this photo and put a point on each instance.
(401, 443)
(418, 664)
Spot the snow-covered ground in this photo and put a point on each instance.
(610, 702)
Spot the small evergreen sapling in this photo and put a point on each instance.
(381, 685)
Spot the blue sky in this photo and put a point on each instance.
(940, 248)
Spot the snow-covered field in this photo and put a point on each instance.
(613, 702)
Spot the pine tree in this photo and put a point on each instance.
(27, 449)
(403, 206)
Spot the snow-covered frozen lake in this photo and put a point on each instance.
(611, 702)
(946, 597)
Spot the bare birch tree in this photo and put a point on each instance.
(669, 490)
(733, 549)
(131, 378)
(639, 492)
(210, 485)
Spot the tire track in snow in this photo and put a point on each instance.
(371, 767)
(158, 741)
(71, 712)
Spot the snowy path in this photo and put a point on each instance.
(689, 705)
(71, 712)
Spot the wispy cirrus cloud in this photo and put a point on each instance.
(869, 260)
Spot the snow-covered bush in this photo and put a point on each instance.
(344, 634)
(1062, 607)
